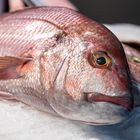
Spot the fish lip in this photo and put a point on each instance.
(124, 101)
(95, 113)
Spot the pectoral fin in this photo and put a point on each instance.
(10, 67)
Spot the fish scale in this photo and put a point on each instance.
(21, 39)
(59, 16)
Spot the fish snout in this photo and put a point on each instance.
(125, 101)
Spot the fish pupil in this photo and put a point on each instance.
(101, 60)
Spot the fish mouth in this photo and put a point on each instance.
(124, 101)
(94, 109)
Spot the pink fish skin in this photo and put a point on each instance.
(133, 57)
(63, 63)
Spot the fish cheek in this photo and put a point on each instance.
(75, 78)
(79, 78)
(73, 87)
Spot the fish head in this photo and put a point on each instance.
(93, 82)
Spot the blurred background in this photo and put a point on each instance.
(108, 11)
(111, 11)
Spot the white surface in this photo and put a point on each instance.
(126, 32)
(21, 122)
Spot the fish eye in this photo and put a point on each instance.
(100, 59)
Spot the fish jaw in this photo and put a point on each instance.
(93, 113)
(123, 101)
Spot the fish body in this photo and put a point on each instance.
(66, 64)
(133, 57)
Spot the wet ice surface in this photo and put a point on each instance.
(22, 122)
(126, 32)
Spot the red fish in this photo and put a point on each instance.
(61, 62)
(133, 57)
